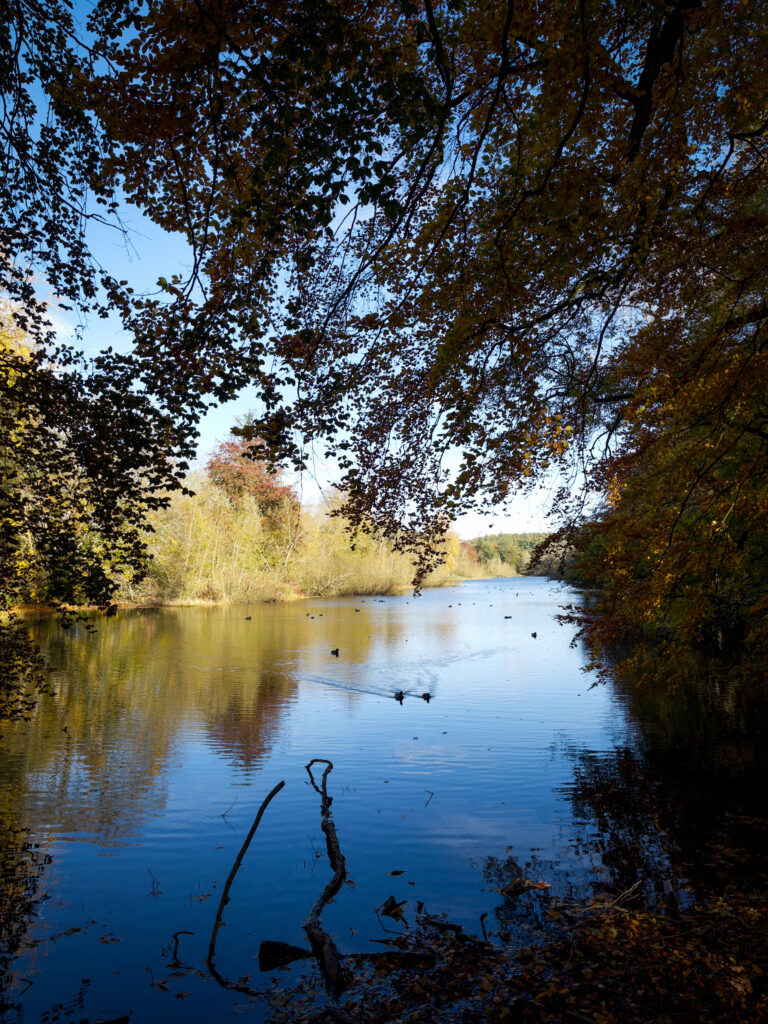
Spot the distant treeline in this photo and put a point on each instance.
(507, 554)
(238, 533)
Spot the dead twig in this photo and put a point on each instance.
(576, 911)
(626, 895)
(323, 946)
(210, 961)
(231, 807)
(175, 958)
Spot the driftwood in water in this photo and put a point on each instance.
(395, 958)
(323, 946)
(279, 954)
(274, 954)
(175, 962)
(211, 960)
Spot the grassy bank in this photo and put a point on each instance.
(237, 533)
(215, 547)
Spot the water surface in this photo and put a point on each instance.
(126, 799)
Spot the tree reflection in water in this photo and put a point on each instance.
(94, 756)
(675, 801)
(22, 865)
(680, 806)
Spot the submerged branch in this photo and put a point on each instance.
(323, 946)
(225, 895)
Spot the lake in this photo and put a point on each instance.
(129, 795)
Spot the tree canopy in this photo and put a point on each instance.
(232, 467)
(85, 452)
(458, 244)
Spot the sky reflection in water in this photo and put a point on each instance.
(140, 779)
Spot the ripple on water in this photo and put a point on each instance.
(140, 779)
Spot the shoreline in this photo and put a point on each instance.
(200, 602)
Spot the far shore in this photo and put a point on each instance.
(199, 602)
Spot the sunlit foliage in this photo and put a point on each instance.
(209, 545)
(456, 244)
(82, 459)
(510, 553)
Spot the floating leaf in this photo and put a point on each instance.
(391, 908)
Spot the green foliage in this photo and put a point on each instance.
(552, 257)
(82, 460)
(23, 673)
(508, 554)
(681, 576)
(212, 545)
(527, 187)
(206, 547)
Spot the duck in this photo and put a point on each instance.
(335, 652)
(399, 696)
(534, 635)
(427, 697)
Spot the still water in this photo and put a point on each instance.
(127, 798)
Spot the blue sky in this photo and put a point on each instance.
(148, 252)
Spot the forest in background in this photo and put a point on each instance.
(530, 234)
(206, 547)
(234, 532)
(514, 554)
(552, 263)
(239, 534)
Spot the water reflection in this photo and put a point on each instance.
(682, 808)
(140, 775)
(23, 861)
(124, 695)
(98, 755)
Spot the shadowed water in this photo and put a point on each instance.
(127, 797)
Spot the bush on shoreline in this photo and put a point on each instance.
(237, 533)
(207, 547)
